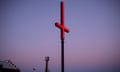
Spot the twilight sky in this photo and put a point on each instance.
(28, 33)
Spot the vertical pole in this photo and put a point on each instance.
(62, 55)
(62, 37)
(46, 66)
(63, 29)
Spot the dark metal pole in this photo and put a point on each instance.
(46, 66)
(62, 55)
(63, 29)
(62, 36)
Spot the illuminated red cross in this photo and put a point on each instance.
(61, 26)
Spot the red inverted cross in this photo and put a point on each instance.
(61, 26)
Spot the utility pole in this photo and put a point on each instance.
(46, 65)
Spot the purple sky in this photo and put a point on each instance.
(28, 33)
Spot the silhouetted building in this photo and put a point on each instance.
(8, 66)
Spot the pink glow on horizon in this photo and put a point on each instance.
(28, 33)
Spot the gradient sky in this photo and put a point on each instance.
(28, 33)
